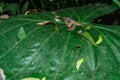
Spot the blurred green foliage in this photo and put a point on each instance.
(2, 5)
(21, 6)
(117, 2)
(10, 8)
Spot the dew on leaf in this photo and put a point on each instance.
(27, 59)
(21, 33)
(33, 50)
(36, 44)
(53, 68)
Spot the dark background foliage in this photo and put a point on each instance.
(49, 5)
(56, 4)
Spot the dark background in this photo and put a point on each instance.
(49, 5)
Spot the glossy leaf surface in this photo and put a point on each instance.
(43, 52)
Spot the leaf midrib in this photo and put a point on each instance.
(62, 57)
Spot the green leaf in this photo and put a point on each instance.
(21, 33)
(79, 62)
(99, 39)
(30, 79)
(85, 14)
(11, 7)
(116, 2)
(89, 37)
(44, 52)
(1, 6)
(25, 7)
(44, 78)
(1, 9)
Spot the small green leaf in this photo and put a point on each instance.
(30, 79)
(21, 33)
(44, 78)
(79, 62)
(99, 39)
(88, 36)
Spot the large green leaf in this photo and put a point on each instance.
(30, 50)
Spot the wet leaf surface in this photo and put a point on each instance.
(43, 52)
